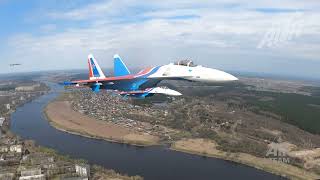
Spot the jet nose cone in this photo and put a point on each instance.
(176, 93)
(226, 77)
(232, 78)
(211, 75)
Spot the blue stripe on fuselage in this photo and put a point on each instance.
(126, 85)
(155, 69)
(141, 82)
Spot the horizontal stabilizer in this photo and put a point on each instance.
(165, 90)
(150, 92)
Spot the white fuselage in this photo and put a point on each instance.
(196, 73)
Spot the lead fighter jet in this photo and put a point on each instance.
(144, 83)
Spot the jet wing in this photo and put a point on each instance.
(107, 79)
(150, 91)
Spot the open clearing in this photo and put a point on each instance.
(62, 116)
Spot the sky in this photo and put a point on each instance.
(265, 36)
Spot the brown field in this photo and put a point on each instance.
(208, 148)
(63, 117)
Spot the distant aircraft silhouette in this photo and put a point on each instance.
(16, 64)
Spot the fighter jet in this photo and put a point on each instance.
(144, 83)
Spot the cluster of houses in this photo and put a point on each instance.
(114, 109)
(23, 162)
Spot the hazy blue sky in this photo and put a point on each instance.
(269, 36)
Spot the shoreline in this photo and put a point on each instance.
(264, 164)
(56, 126)
(148, 141)
(41, 152)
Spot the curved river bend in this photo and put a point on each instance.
(155, 163)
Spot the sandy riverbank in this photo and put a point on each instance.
(208, 148)
(61, 115)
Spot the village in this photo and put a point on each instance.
(24, 160)
(122, 112)
(21, 159)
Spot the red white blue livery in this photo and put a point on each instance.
(144, 83)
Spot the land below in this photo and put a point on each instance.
(267, 124)
(237, 123)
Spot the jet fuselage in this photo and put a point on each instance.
(144, 82)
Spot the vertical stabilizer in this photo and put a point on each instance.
(120, 69)
(95, 71)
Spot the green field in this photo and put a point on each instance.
(7, 88)
(302, 111)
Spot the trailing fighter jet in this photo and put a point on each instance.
(144, 83)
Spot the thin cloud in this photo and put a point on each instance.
(165, 30)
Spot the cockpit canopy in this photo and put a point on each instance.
(186, 62)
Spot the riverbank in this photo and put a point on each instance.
(208, 148)
(61, 115)
(97, 172)
(23, 158)
(20, 157)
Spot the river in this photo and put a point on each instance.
(155, 163)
